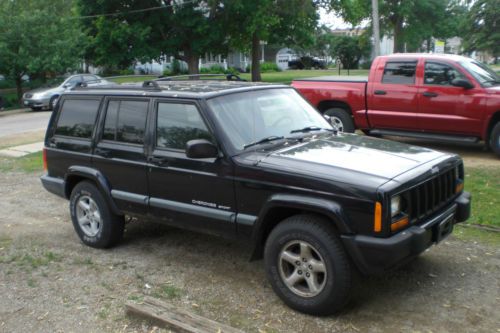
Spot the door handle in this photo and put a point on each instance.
(160, 161)
(430, 94)
(102, 152)
(380, 92)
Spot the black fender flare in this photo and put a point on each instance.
(331, 209)
(97, 177)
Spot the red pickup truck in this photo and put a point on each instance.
(442, 97)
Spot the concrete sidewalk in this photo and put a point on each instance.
(22, 150)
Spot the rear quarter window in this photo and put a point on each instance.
(77, 117)
(399, 72)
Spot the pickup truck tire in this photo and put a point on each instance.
(307, 266)
(341, 118)
(495, 139)
(92, 218)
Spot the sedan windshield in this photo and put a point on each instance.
(263, 116)
(482, 73)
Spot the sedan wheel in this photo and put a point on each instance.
(88, 215)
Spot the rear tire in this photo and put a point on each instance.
(92, 218)
(495, 139)
(307, 266)
(341, 119)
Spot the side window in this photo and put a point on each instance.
(74, 79)
(89, 78)
(177, 124)
(440, 74)
(125, 121)
(77, 118)
(401, 72)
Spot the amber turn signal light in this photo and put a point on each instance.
(459, 188)
(399, 224)
(377, 220)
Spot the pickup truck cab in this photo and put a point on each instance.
(442, 97)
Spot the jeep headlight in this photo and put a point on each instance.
(395, 205)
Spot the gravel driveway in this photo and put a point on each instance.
(50, 282)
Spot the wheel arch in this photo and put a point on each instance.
(280, 207)
(325, 105)
(495, 118)
(76, 174)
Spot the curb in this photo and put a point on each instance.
(11, 112)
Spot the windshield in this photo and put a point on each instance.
(265, 115)
(482, 73)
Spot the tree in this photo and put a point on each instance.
(410, 22)
(482, 27)
(349, 50)
(283, 22)
(34, 41)
(143, 30)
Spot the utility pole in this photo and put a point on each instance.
(376, 28)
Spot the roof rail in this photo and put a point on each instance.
(226, 77)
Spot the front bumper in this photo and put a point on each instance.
(36, 103)
(374, 255)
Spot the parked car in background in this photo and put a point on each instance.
(46, 98)
(442, 97)
(307, 62)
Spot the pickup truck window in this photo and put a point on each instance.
(77, 118)
(482, 73)
(440, 74)
(177, 124)
(125, 121)
(399, 72)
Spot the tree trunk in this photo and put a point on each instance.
(398, 34)
(256, 58)
(193, 62)
(19, 90)
(429, 45)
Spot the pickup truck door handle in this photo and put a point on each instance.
(160, 161)
(102, 152)
(380, 92)
(430, 94)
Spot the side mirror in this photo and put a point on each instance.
(462, 83)
(201, 148)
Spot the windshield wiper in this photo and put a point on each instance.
(264, 140)
(310, 128)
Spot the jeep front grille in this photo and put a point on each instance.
(429, 196)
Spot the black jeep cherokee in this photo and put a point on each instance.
(253, 162)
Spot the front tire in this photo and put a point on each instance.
(495, 139)
(341, 119)
(307, 265)
(93, 220)
(53, 102)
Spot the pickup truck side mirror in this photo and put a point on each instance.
(462, 83)
(201, 148)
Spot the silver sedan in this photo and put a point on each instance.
(46, 98)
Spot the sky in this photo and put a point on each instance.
(331, 20)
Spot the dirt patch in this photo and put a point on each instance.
(50, 281)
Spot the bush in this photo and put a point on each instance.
(269, 67)
(127, 71)
(366, 65)
(232, 70)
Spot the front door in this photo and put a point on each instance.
(190, 193)
(120, 154)
(392, 96)
(444, 108)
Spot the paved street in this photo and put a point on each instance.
(23, 122)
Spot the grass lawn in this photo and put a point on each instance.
(285, 77)
(483, 183)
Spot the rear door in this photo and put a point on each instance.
(120, 151)
(444, 108)
(191, 193)
(393, 95)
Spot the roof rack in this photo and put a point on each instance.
(224, 77)
(147, 85)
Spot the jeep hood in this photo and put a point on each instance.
(347, 158)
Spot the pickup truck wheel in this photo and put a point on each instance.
(341, 119)
(93, 220)
(307, 265)
(495, 139)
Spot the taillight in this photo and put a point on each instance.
(44, 158)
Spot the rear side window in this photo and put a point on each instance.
(401, 72)
(125, 121)
(177, 124)
(77, 118)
